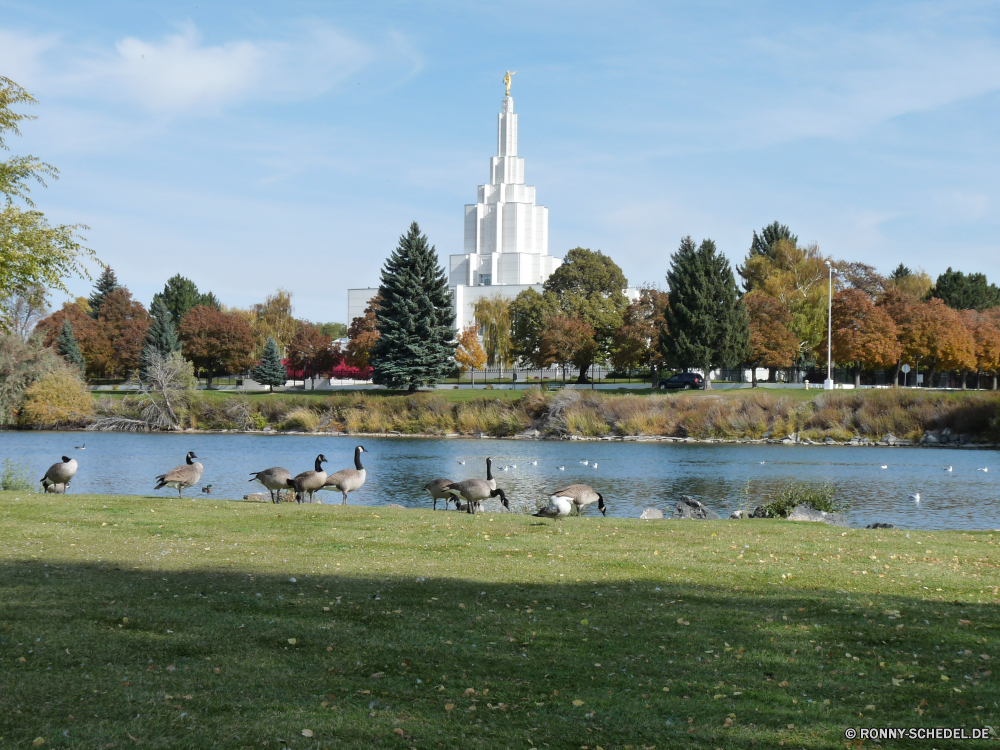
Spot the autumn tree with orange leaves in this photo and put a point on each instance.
(216, 342)
(772, 343)
(637, 342)
(470, 355)
(864, 336)
(933, 335)
(363, 335)
(985, 329)
(312, 352)
(567, 340)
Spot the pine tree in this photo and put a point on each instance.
(68, 349)
(161, 336)
(416, 344)
(179, 295)
(706, 324)
(269, 371)
(106, 283)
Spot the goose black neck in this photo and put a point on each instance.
(489, 470)
(319, 464)
(187, 459)
(357, 458)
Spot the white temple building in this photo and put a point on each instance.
(506, 247)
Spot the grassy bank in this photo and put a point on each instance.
(143, 621)
(758, 414)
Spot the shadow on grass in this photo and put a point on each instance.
(96, 656)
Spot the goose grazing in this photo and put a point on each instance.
(60, 473)
(181, 477)
(308, 482)
(348, 480)
(915, 497)
(56, 489)
(580, 496)
(556, 509)
(474, 491)
(437, 488)
(274, 479)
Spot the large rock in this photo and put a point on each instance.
(651, 514)
(758, 512)
(688, 507)
(807, 512)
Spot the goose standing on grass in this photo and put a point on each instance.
(474, 491)
(308, 482)
(437, 488)
(274, 479)
(557, 508)
(181, 477)
(60, 473)
(580, 496)
(348, 480)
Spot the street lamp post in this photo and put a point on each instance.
(828, 383)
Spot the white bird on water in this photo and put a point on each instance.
(947, 468)
(594, 465)
(562, 468)
(883, 466)
(462, 463)
(983, 469)
(915, 497)
(585, 463)
(762, 462)
(534, 463)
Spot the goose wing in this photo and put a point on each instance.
(576, 492)
(346, 479)
(185, 473)
(436, 486)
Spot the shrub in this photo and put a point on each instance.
(300, 419)
(58, 399)
(790, 494)
(16, 477)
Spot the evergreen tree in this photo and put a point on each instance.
(763, 245)
(179, 295)
(161, 336)
(901, 272)
(269, 371)
(706, 324)
(416, 344)
(208, 299)
(961, 292)
(106, 283)
(68, 349)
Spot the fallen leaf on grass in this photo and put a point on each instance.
(578, 702)
(307, 733)
(449, 706)
(38, 742)
(291, 641)
(783, 683)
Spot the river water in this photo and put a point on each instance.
(631, 476)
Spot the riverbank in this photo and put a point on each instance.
(175, 624)
(840, 416)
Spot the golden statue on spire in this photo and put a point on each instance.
(506, 80)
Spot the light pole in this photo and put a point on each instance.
(828, 383)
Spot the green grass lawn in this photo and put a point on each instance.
(137, 621)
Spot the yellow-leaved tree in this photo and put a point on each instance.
(469, 354)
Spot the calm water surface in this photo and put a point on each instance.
(631, 476)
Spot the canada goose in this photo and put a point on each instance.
(60, 473)
(437, 489)
(308, 481)
(207, 489)
(474, 491)
(274, 479)
(915, 497)
(56, 489)
(556, 509)
(182, 476)
(489, 474)
(348, 480)
(580, 495)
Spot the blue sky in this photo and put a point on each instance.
(251, 145)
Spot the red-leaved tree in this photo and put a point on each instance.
(216, 342)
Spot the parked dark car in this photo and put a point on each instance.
(685, 380)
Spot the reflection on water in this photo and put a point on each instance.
(631, 476)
